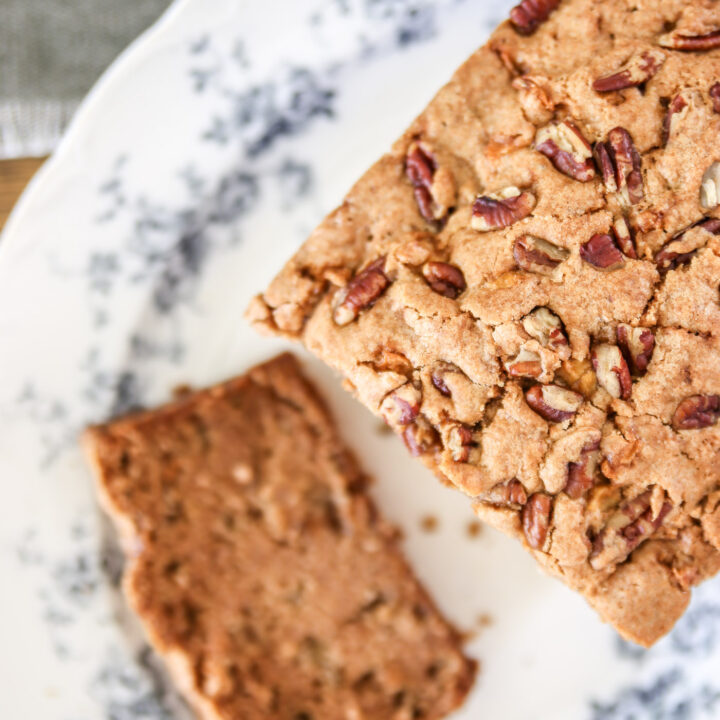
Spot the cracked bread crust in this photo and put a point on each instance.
(569, 173)
(260, 567)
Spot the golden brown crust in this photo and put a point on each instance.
(260, 567)
(570, 165)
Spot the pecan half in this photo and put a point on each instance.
(509, 493)
(499, 210)
(625, 237)
(420, 437)
(401, 406)
(460, 442)
(710, 187)
(567, 149)
(715, 96)
(361, 292)
(676, 110)
(444, 278)
(546, 328)
(525, 364)
(537, 255)
(581, 474)
(638, 70)
(678, 41)
(637, 345)
(530, 14)
(601, 252)
(626, 529)
(612, 371)
(536, 519)
(553, 402)
(696, 411)
(420, 168)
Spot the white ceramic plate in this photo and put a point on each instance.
(196, 166)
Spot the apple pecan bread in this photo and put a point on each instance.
(526, 289)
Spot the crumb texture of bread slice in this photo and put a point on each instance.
(259, 566)
(526, 289)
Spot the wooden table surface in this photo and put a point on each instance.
(14, 176)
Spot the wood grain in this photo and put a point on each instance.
(14, 176)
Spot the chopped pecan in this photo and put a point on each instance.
(637, 345)
(581, 474)
(516, 493)
(679, 41)
(672, 255)
(715, 96)
(625, 238)
(444, 278)
(603, 160)
(601, 252)
(626, 529)
(499, 210)
(676, 109)
(579, 376)
(536, 519)
(460, 442)
(525, 364)
(421, 168)
(710, 187)
(507, 58)
(535, 97)
(537, 255)
(620, 166)
(509, 493)
(567, 149)
(361, 292)
(392, 361)
(711, 225)
(439, 382)
(530, 14)
(402, 406)
(553, 402)
(420, 437)
(638, 70)
(439, 377)
(415, 250)
(696, 411)
(612, 371)
(626, 159)
(667, 259)
(546, 328)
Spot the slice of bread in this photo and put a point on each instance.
(260, 567)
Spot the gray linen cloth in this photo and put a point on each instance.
(51, 52)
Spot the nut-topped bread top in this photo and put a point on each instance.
(527, 284)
